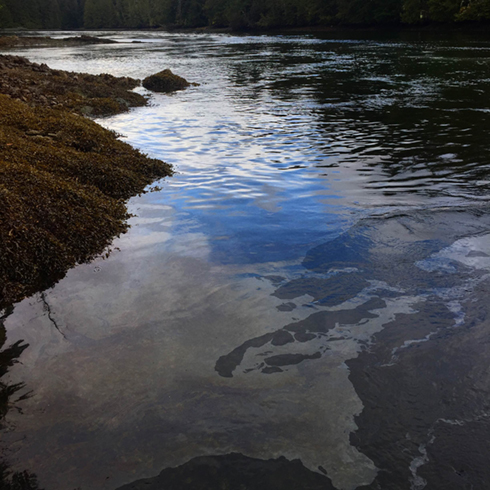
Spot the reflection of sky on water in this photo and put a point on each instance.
(395, 117)
(243, 177)
(287, 143)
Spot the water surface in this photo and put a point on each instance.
(296, 288)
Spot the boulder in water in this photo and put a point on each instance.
(165, 81)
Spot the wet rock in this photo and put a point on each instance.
(41, 139)
(235, 472)
(35, 41)
(87, 110)
(304, 331)
(271, 370)
(33, 132)
(38, 84)
(282, 337)
(290, 359)
(64, 182)
(286, 307)
(84, 39)
(165, 81)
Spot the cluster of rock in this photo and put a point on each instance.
(39, 85)
(28, 41)
(63, 178)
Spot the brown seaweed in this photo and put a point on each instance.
(64, 179)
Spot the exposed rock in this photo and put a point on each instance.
(63, 178)
(165, 81)
(84, 39)
(35, 41)
(38, 85)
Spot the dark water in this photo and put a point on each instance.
(310, 285)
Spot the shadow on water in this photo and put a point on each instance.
(11, 480)
(235, 471)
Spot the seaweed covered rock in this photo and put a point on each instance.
(63, 184)
(165, 81)
(63, 178)
(39, 85)
(37, 41)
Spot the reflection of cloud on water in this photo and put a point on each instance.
(308, 356)
(356, 284)
(471, 251)
(135, 379)
(330, 329)
(142, 241)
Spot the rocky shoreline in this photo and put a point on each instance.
(39, 41)
(39, 86)
(64, 183)
(64, 179)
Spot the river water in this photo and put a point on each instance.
(311, 283)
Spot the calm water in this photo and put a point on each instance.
(311, 283)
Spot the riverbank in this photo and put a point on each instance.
(64, 179)
(15, 41)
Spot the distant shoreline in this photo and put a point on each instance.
(466, 27)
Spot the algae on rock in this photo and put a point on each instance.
(39, 85)
(64, 179)
(165, 81)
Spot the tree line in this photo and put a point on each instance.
(237, 14)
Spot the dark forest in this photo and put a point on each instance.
(235, 14)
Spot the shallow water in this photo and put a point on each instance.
(324, 242)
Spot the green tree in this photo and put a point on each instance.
(99, 14)
(25, 14)
(133, 13)
(71, 12)
(216, 12)
(415, 11)
(245, 14)
(50, 14)
(278, 13)
(162, 12)
(193, 14)
(370, 11)
(238, 14)
(474, 10)
(321, 12)
(443, 10)
(5, 16)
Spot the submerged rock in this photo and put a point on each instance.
(165, 81)
(235, 471)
